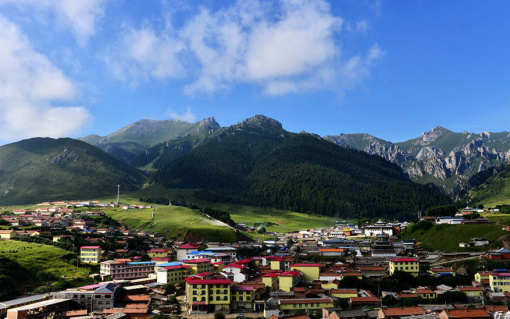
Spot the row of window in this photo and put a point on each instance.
(248, 298)
(501, 283)
(210, 286)
(306, 305)
(406, 268)
(218, 298)
(202, 292)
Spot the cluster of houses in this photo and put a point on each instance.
(279, 282)
(211, 278)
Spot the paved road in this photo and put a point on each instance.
(453, 260)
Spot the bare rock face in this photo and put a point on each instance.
(446, 158)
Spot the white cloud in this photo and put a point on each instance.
(288, 47)
(187, 117)
(141, 54)
(300, 41)
(80, 16)
(29, 83)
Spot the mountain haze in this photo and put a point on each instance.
(41, 169)
(439, 156)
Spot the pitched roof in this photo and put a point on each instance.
(209, 281)
(398, 260)
(402, 311)
(305, 301)
(305, 265)
(188, 246)
(467, 313)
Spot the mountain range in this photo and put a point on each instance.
(41, 169)
(452, 162)
(257, 162)
(444, 158)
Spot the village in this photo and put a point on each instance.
(347, 270)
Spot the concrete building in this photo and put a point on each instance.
(208, 295)
(409, 265)
(90, 254)
(93, 297)
(126, 270)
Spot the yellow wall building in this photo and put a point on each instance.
(499, 282)
(8, 234)
(344, 293)
(208, 295)
(409, 265)
(172, 274)
(310, 272)
(482, 277)
(158, 253)
(199, 265)
(303, 304)
(90, 254)
(472, 292)
(270, 280)
(276, 264)
(288, 280)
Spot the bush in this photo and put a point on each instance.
(219, 315)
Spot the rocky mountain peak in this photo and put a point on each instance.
(208, 123)
(261, 119)
(432, 135)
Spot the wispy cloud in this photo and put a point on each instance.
(187, 117)
(79, 16)
(288, 47)
(29, 87)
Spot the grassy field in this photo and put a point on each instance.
(174, 222)
(286, 221)
(37, 257)
(448, 237)
(501, 219)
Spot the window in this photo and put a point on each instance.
(217, 291)
(225, 291)
(194, 298)
(203, 298)
(225, 298)
(240, 298)
(218, 298)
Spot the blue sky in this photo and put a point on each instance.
(393, 69)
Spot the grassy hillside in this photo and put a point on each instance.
(448, 237)
(41, 169)
(284, 221)
(495, 190)
(174, 222)
(38, 265)
(257, 163)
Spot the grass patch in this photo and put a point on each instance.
(174, 222)
(38, 257)
(448, 237)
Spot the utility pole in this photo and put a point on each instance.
(118, 193)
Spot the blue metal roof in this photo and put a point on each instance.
(200, 252)
(170, 264)
(142, 263)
